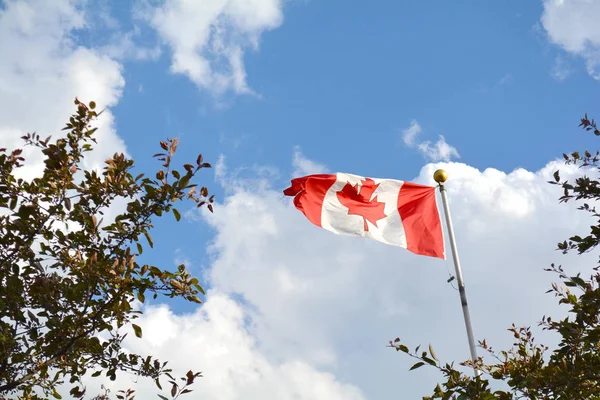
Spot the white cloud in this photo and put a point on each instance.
(438, 151)
(303, 166)
(409, 135)
(207, 39)
(214, 339)
(561, 69)
(573, 25)
(42, 72)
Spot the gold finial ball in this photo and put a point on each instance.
(440, 176)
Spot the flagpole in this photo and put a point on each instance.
(440, 176)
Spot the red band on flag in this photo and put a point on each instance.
(309, 193)
(422, 225)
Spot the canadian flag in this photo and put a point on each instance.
(394, 212)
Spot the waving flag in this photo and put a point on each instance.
(394, 212)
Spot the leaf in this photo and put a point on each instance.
(55, 394)
(92, 105)
(432, 353)
(149, 238)
(68, 204)
(97, 373)
(32, 316)
(429, 361)
(210, 207)
(141, 297)
(164, 145)
(174, 390)
(359, 202)
(403, 348)
(140, 248)
(163, 397)
(203, 191)
(199, 159)
(417, 365)
(176, 214)
(137, 330)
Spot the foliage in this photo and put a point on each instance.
(530, 370)
(68, 283)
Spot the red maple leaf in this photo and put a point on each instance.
(359, 202)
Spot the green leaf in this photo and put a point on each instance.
(55, 394)
(140, 249)
(195, 299)
(176, 214)
(403, 348)
(417, 365)
(141, 297)
(68, 204)
(97, 373)
(432, 353)
(137, 330)
(163, 397)
(149, 238)
(32, 316)
(429, 361)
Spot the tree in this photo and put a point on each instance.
(67, 281)
(530, 370)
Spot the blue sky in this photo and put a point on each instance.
(268, 89)
(342, 82)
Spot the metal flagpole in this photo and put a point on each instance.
(440, 176)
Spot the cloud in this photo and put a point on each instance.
(208, 39)
(304, 166)
(438, 151)
(410, 134)
(573, 25)
(561, 69)
(214, 339)
(42, 72)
